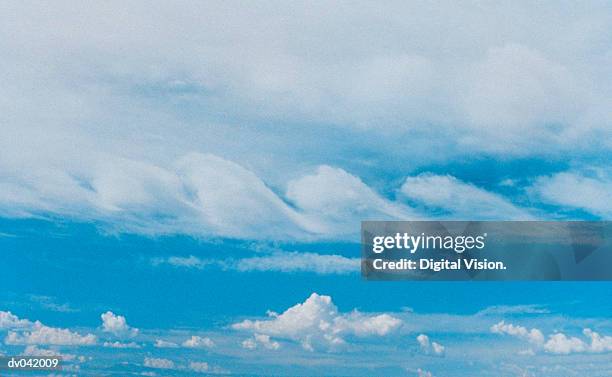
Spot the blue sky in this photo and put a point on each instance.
(201, 170)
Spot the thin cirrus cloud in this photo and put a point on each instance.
(323, 264)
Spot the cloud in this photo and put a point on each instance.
(117, 344)
(200, 135)
(10, 321)
(158, 363)
(513, 309)
(198, 342)
(279, 261)
(300, 262)
(590, 192)
(517, 90)
(117, 325)
(598, 343)
(557, 343)
(249, 344)
(260, 340)
(33, 350)
(339, 199)
(49, 303)
(40, 334)
(317, 323)
(160, 343)
(199, 366)
(430, 347)
(534, 336)
(187, 262)
(459, 199)
(423, 373)
(234, 202)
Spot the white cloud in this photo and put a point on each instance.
(516, 91)
(430, 347)
(158, 363)
(117, 325)
(300, 262)
(198, 342)
(316, 322)
(121, 345)
(260, 340)
(199, 366)
(186, 262)
(460, 199)
(513, 309)
(112, 141)
(249, 344)
(592, 193)
(557, 343)
(160, 343)
(33, 350)
(9, 320)
(423, 373)
(534, 336)
(339, 199)
(561, 344)
(598, 343)
(277, 261)
(40, 334)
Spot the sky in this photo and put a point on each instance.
(181, 184)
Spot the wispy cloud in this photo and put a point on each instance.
(287, 262)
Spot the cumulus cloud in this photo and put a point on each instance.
(198, 342)
(33, 350)
(9, 320)
(260, 340)
(40, 334)
(459, 199)
(317, 323)
(589, 192)
(158, 363)
(430, 347)
(557, 343)
(199, 366)
(534, 336)
(423, 373)
(117, 325)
